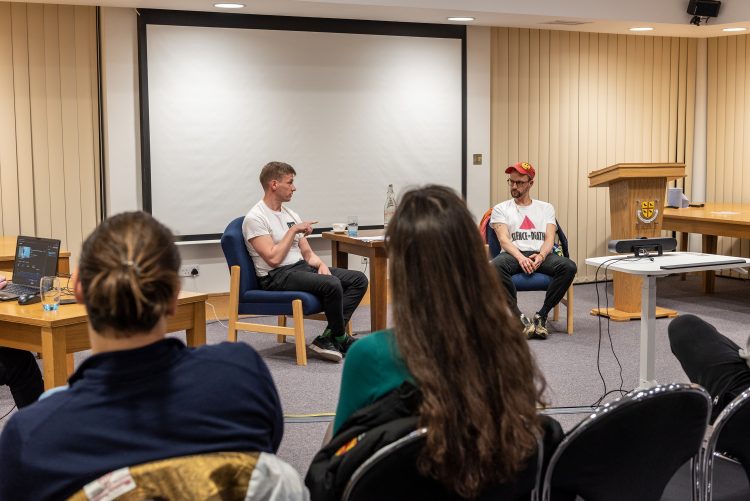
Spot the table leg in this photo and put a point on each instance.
(378, 293)
(648, 333)
(338, 259)
(196, 336)
(53, 354)
(709, 277)
(684, 237)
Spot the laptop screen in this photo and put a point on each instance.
(35, 258)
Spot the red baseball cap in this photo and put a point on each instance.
(524, 168)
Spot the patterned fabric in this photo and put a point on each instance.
(215, 476)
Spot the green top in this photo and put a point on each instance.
(372, 369)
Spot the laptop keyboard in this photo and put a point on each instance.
(18, 289)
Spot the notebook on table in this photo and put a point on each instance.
(35, 258)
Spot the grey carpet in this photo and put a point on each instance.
(569, 363)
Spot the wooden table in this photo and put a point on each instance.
(343, 245)
(711, 221)
(55, 334)
(8, 256)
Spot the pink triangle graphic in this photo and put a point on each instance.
(527, 224)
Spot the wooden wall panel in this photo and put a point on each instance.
(574, 102)
(49, 122)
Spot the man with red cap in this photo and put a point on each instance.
(526, 230)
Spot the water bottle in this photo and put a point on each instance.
(390, 206)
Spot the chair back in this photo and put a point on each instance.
(730, 436)
(494, 243)
(235, 252)
(391, 473)
(630, 448)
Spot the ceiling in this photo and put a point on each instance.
(667, 17)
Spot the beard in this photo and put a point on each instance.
(515, 193)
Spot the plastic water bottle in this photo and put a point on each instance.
(390, 206)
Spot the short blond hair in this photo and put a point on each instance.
(274, 171)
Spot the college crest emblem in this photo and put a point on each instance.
(646, 211)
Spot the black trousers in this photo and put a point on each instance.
(19, 370)
(709, 359)
(561, 269)
(340, 292)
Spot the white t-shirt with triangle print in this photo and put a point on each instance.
(527, 224)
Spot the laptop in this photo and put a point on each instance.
(35, 258)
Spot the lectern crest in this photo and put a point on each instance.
(646, 211)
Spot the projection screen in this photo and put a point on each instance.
(352, 112)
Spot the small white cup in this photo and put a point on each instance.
(339, 227)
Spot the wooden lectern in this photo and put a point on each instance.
(636, 204)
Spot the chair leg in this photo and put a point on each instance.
(349, 329)
(570, 310)
(299, 332)
(282, 323)
(234, 302)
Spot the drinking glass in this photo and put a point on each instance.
(352, 226)
(49, 290)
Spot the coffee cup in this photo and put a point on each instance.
(339, 227)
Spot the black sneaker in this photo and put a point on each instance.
(528, 326)
(343, 346)
(540, 327)
(326, 349)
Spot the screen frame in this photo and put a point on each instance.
(286, 23)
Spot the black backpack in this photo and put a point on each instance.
(365, 432)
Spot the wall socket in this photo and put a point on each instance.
(364, 260)
(190, 270)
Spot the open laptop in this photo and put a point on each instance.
(35, 258)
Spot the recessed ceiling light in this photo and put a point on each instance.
(229, 5)
(642, 28)
(464, 18)
(734, 29)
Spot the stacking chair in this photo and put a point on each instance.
(537, 281)
(391, 473)
(730, 436)
(630, 448)
(247, 298)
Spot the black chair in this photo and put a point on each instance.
(391, 473)
(537, 281)
(730, 437)
(629, 449)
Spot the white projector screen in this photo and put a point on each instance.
(351, 112)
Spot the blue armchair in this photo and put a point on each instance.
(537, 281)
(247, 298)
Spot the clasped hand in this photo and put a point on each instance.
(531, 263)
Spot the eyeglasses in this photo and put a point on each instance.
(519, 184)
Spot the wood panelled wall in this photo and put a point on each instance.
(728, 127)
(49, 122)
(571, 103)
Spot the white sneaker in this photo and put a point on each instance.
(528, 326)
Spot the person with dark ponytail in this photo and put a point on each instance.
(141, 396)
(455, 338)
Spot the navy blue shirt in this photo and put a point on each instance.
(129, 407)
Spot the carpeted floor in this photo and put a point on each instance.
(569, 363)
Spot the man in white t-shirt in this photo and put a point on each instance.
(275, 238)
(526, 230)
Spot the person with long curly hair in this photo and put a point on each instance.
(456, 339)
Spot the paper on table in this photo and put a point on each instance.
(374, 238)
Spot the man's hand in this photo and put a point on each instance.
(538, 259)
(323, 269)
(528, 265)
(3, 281)
(305, 227)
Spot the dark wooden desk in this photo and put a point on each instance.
(343, 245)
(8, 256)
(55, 334)
(711, 221)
